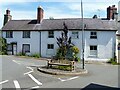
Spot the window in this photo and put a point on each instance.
(9, 47)
(93, 35)
(50, 46)
(9, 34)
(26, 34)
(93, 50)
(75, 35)
(26, 48)
(50, 34)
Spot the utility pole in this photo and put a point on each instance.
(83, 62)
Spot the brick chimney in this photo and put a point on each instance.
(7, 16)
(40, 13)
(111, 11)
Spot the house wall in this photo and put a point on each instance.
(105, 43)
(45, 40)
(34, 41)
(119, 10)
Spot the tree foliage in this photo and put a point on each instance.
(65, 44)
(3, 46)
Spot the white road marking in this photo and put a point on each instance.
(29, 71)
(30, 68)
(17, 85)
(63, 80)
(35, 87)
(4, 81)
(34, 79)
(16, 62)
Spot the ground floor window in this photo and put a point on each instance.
(93, 50)
(26, 48)
(9, 47)
(50, 46)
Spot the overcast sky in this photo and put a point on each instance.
(27, 9)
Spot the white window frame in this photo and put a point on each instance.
(24, 49)
(9, 34)
(26, 34)
(50, 46)
(93, 35)
(93, 50)
(75, 35)
(50, 34)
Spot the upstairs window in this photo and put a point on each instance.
(50, 34)
(9, 34)
(93, 35)
(50, 46)
(75, 35)
(26, 34)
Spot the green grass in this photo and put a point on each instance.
(113, 61)
(35, 55)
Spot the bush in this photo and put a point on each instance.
(36, 55)
(112, 61)
(59, 54)
(65, 68)
(75, 49)
(21, 54)
(3, 46)
(77, 59)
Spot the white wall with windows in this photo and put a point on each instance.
(99, 45)
(102, 48)
(33, 41)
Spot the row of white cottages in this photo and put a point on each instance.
(32, 36)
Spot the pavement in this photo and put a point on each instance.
(22, 73)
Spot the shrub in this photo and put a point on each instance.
(3, 46)
(77, 59)
(21, 54)
(65, 68)
(75, 49)
(59, 54)
(112, 61)
(36, 55)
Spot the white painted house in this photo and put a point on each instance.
(118, 35)
(39, 36)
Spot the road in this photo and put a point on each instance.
(22, 73)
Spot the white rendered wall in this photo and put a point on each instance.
(34, 41)
(105, 42)
(105, 45)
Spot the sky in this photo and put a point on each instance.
(27, 9)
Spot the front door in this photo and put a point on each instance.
(14, 49)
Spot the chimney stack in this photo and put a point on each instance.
(111, 12)
(7, 16)
(40, 13)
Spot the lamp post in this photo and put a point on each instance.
(83, 62)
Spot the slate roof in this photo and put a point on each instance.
(57, 24)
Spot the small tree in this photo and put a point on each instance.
(65, 44)
(3, 46)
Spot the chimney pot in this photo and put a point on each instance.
(8, 12)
